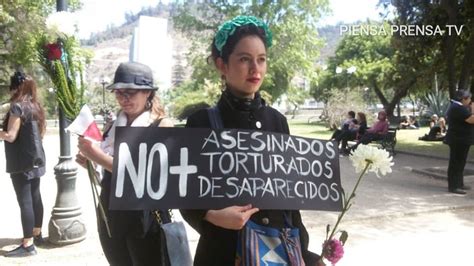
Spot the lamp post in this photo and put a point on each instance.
(104, 110)
(65, 225)
(350, 70)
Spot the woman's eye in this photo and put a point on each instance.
(244, 59)
(262, 59)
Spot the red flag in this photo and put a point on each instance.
(85, 125)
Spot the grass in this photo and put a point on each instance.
(407, 140)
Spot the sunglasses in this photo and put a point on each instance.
(126, 94)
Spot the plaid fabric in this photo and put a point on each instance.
(260, 245)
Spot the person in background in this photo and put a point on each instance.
(26, 115)
(437, 129)
(404, 123)
(459, 138)
(376, 132)
(346, 126)
(359, 130)
(241, 59)
(135, 235)
(413, 123)
(409, 122)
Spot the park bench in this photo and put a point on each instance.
(388, 142)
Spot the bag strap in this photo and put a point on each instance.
(157, 122)
(288, 215)
(163, 217)
(215, 117)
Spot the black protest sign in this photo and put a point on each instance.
(197, 168)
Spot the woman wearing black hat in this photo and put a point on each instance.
(459, 138)
(239, 52)
(23, 129)
(134, 237)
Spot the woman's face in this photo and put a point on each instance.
(132, 101)
(246, 67)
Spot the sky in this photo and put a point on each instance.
(96, 15)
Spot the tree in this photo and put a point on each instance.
(179, 71)
(453, 53)
(21, 22)
(293, 24)
(384, 65)
(296, 97)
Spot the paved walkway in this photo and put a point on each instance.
(400, 219)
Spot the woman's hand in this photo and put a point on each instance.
(233, 217)
(81, 160)
(88, 149)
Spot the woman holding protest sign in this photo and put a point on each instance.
(239, 52)
(135, 237)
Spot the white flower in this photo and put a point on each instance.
(381, 161)
(64, 22)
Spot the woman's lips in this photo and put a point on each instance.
(253, 80)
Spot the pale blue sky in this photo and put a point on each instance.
(96, 15)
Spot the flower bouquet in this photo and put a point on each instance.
(364, 159)
(64, 61)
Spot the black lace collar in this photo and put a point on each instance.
(243, 104)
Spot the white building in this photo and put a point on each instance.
(151, 45)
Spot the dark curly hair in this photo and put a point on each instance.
(17, 79)
(240, 33)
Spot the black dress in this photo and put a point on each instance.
(217, 246)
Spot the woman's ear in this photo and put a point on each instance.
(221, 66)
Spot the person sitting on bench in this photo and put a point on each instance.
(359, 130)
(376, 132)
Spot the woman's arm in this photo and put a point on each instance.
(470, 119)
(166, 122)
(14, 123)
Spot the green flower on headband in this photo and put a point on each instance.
(229, 27)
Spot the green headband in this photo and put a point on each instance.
(228, 28)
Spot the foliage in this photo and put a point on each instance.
(339, 103)
(452, 54)
(437, 103)
(295, 46)
(296, 97)
(193, 96)
(64, 61)
(20, 23)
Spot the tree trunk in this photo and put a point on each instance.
(449, 44)
(467, 64)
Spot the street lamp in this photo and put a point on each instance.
(350, 70)
(104, 110)
(65, 225)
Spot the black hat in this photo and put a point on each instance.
(133, 75)
(462, 94)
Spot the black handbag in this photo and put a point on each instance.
(174, 246)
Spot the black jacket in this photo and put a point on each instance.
(459, 131)
(217, 246)
(26, 153)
